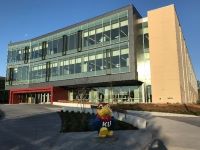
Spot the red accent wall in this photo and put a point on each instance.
(13, 98)
(59, 93)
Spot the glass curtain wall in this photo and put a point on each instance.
(116, 94)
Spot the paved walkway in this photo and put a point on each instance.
(176, 131)
(36, 127)
(28, 127)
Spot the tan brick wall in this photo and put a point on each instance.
(172, 76)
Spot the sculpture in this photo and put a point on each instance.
(104, 121)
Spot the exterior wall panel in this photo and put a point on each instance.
(172, 76)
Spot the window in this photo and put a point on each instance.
(115, 60)
(106, 33)
(72, 42)
(99, 34)
(60, 45)
(44, 49)
(146, 41)
(35, 51)
(50, 47)
(85, 65)
(71, 65)
(115, 30)
(54, 69)
(78, 65)
(55, 46)
(43, 71)
(64, 67)
(123, 27)
(79, 40)
(25, 73)
(99, 61)
(106, 59)
(19, 54)
(124, 58)
(91, 37)
(85, 38)
(65, 44)
(91, 63)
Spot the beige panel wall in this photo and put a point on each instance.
(172, 75)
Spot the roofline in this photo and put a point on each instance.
(127, 7)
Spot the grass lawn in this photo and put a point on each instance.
(78, 122)
(192, 109)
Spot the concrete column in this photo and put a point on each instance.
(44, 97)
(48, 99)
(41, 98)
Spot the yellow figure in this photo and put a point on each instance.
(104, 120)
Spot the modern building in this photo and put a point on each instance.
(3, 92)
(198, 83)
(117, 57)
(2, 83)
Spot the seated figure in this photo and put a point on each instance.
(104, 121)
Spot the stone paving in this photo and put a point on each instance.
(36, 127)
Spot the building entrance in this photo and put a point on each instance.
(34, 98)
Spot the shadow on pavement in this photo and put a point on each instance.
(157, 144)
(2, 114)
(33, 132)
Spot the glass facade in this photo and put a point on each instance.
(143, 59)
(104, 49)
(112, 94)
(95, 48)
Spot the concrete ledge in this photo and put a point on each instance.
(134, 120)
(72, 104)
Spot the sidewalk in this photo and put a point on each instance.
(175, 135)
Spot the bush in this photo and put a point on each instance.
(77, 122)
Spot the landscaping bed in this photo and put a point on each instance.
(192, 109)
(79, 122)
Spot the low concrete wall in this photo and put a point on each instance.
(138, 122)
(72, 104)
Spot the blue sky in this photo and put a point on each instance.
(25, 19)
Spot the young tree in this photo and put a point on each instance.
(82, 96)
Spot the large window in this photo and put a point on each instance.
(64, 67)
(99, 61)
(124, 58)
(146, 41)
(85, 38)
(50, 47)
(71, 65)
(72, 41)
(106, 33)
(123, 27)
(55, 46)
(91, 63)
(60, 45)
(78, 65)
(91, 37)
(85, 63)
(99, 34)
(115, 30)
(115, 60)
(54, 69)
